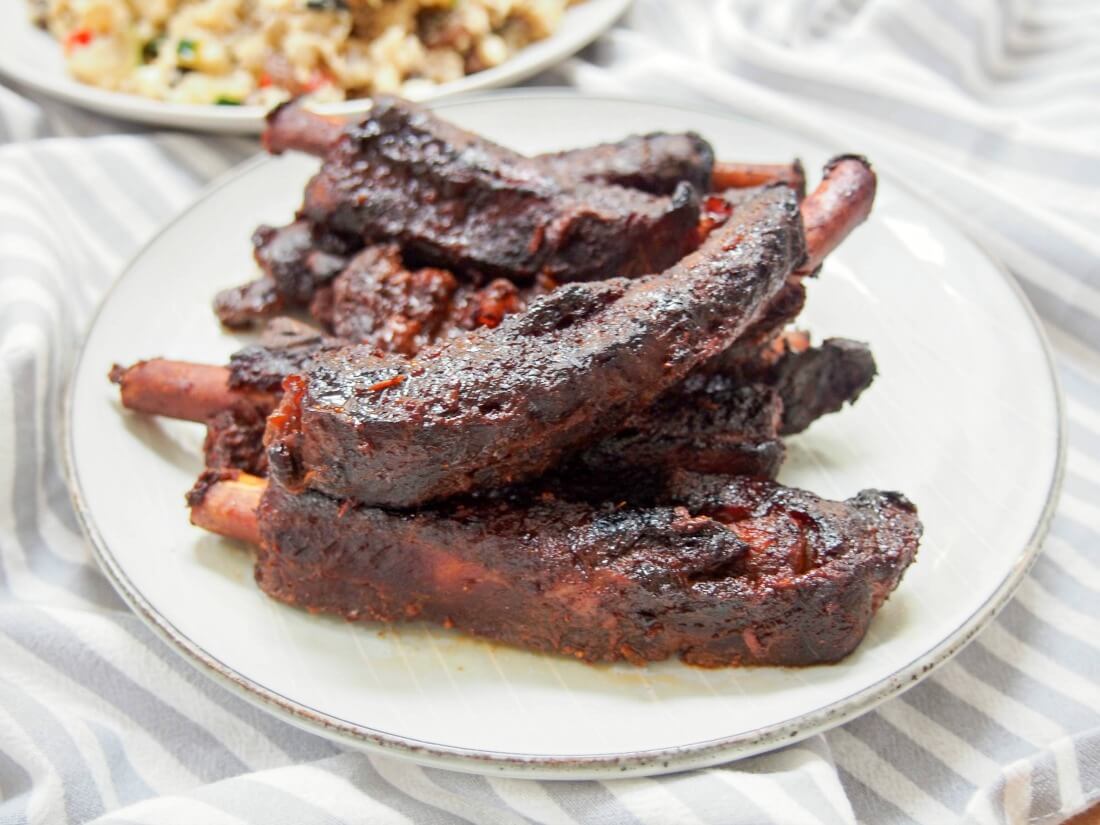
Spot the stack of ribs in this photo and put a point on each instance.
(542, 399)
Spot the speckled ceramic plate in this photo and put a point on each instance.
(964, 418)
(31, 57)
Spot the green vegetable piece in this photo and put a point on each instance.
(150, 50)
(188, 52)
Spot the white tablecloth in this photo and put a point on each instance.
(991, 109)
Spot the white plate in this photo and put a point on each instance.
(964, 418)
(32, 57)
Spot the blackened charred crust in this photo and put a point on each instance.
(708, 424)
(656, 163)
(264, 367)
(820, 380)
(239, 307)
(235, 440)
(735, 571)
(836, 160)
(501, 405)
(290, 256)
(459, 201)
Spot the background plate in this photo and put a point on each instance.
(964, 418)
(32, 57)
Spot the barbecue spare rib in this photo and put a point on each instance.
(458, 200)
(593, 212)
(716, 570)
(544, 399)
(657, 162)
(498, 406)
(713, 422)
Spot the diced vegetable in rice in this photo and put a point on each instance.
(265, 51)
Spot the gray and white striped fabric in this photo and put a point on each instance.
(991, 109)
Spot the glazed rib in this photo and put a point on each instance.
(654, 163)
(738, 571)
(379, 301)
(453, 199)
(497, 406)
(727, 422)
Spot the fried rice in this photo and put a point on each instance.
(264, 51)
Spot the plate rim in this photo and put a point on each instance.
(567, 767)
(243, 120)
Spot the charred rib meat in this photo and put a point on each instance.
(497, 406)
(726, 422)
(811, 381)
(714, 424)
(655, 163)
(735, 571)
(377, 301)
(454, 199)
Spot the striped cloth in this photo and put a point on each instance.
(991, 109)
